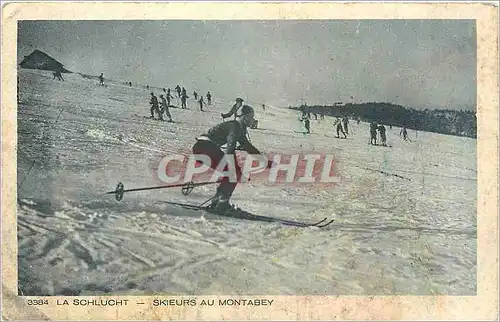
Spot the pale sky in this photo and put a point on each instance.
(416, 63)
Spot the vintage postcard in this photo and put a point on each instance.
(249, 161)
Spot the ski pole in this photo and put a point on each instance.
(186, 188)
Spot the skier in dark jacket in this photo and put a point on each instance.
(403, 132)
(383, 138)
(209, 98)
(307, 125)
(201, 102)
(373, 133)
(155, 107)
(228, 133)
(57, 75)
(234, 109)
(164, 108)
(168, 97)
(338, 123)
(345, 120)
(184, 97)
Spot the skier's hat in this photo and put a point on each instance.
(239, 99)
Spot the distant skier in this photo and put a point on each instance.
(210, 144)
(209, 98)
(383, 138)
(304, 115)
(168, 96)
(184, 97)
(164, 90)
(338, 123)
(322, 116)
(345, 120)
(147, 87)
(307, 125)
(195, 95)
(404, 133)
(130, 84)
(307, 122)
(57, 74)
(201, 102)
(315, 116)
(154, 106)
(101, 79)
(264, 107)
(178, 90)
(164, 108)
(373, 133)
(234, 109)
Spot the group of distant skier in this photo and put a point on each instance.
(58, 75)
(374, 127)
(182, 95)
(306, 118)
(341, 124)
(162, 107)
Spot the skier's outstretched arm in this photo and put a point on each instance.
(228, 114)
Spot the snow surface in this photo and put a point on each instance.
(391, 235)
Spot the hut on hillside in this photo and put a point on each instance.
(40, 60)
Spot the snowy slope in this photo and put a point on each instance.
(414, 233)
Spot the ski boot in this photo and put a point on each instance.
(220, 205)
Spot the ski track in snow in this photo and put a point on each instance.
(405, 217)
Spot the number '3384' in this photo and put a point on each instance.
(38, 302)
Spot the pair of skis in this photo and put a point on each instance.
(187, 188)
(246, 215)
